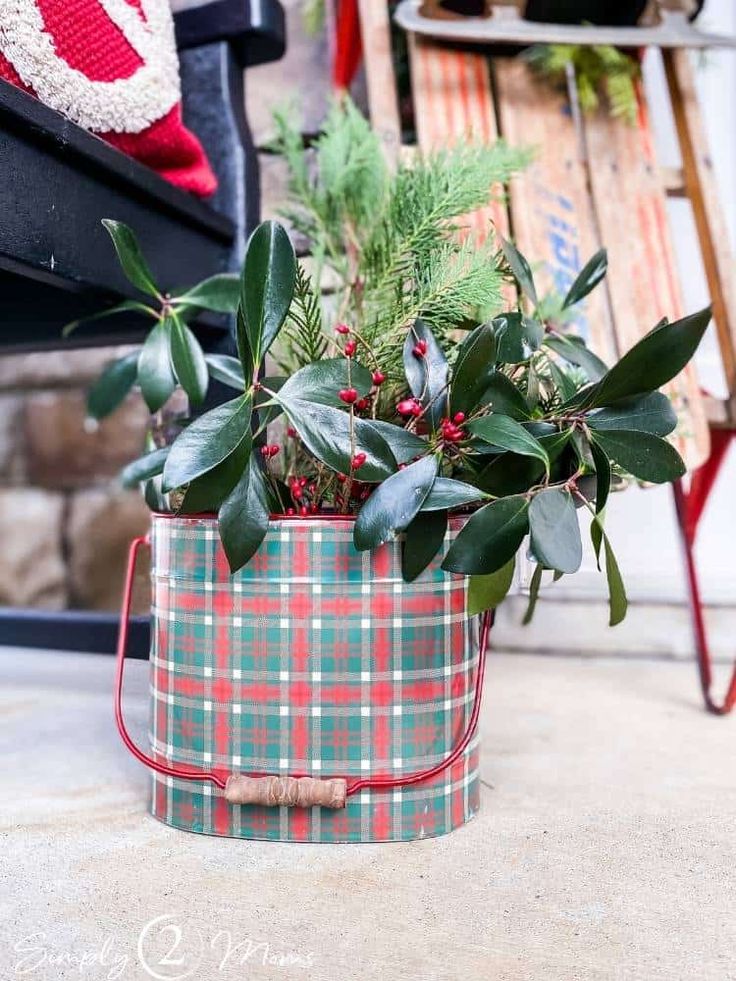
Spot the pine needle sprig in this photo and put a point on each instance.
(303, 330)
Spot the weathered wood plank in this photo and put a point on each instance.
(380, 77)
(453, 101)
(552, 214)
(643, 281)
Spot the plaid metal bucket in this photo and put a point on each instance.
(315, 660)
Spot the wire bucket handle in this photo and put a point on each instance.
(296, 790)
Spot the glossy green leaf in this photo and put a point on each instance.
(555, 443)
(653, 361)
(534, 585)
(267, 288)
(473, 369)
(226, 369)
(394, 503)
(220, 293)
(127, 306)
(145, 467)
(617, 600)
(113, 385)
(603, 477)
(326, 434)
(404, 446)
(489, 538)
(506, 433)
(447, 493)
(155, 373)
(130, 256)
(578, 354)
(587, 279)
(641, 454)
(209, 440)
(503, 397)
(321, 381)
(651, 413)
(555, 532)
(517, 337)
(188, 361)
(428, 375)
(488, 592)
(423, 539)
(267, 407)
(520, 268)
(243, 516)
(596, 537)
(509, 473)
(206, 494)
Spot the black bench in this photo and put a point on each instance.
(56, 261)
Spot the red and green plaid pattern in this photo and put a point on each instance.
(314, 659)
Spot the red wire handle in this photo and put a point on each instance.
(194, 773)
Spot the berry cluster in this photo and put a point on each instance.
(451, 429)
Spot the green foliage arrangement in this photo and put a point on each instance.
(598, 69)
(513, 422)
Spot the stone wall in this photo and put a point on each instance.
(65, 523)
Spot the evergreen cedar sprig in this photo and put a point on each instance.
(521, 427)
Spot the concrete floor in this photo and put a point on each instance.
(604, 850)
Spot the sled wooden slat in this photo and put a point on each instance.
(453, 100)
(552, 215)
(643, 279)
(380, 78)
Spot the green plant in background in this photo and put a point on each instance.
(508, 420)
(171, 354)
(598, 69)
(389, 240)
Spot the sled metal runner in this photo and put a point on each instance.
(505, 25)
(589, 171)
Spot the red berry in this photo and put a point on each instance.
(304, 510)
(342, 329)
(296, 492)
(290, 511)
(459, 417)
(357, 462)
(290, 431)
(347, 395)
(302, 481)
(419, 349)
(378, 378)
(362, 404)
(314, 507)
(409, 407)
(349, 348)
(341, 477)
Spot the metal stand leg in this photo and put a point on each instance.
(688, 528)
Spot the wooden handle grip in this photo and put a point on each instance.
(288, 791)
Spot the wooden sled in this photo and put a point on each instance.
(595, 181)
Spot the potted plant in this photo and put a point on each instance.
(314, 592)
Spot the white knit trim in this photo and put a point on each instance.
(127, 105)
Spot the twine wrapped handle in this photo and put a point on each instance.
(289, 791)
